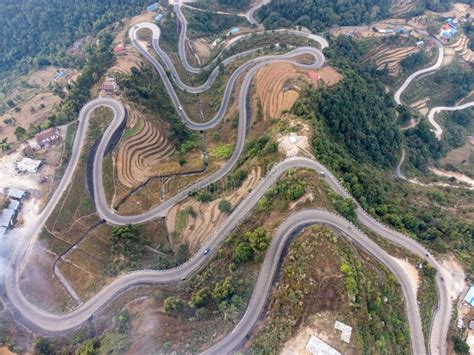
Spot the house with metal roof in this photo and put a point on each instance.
(7, 218)
(469, 298)
(152, 7)
(47, 137)
(16, 194)
(3, 232)
(27, 165)
(14, 205)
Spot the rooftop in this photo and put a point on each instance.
(49, 135)
(469, 298)
(346, 331)
(318, 347)
(28, 165)
(17, 194)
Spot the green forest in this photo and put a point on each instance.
(37, 32)
(347, 142)
(318, 15)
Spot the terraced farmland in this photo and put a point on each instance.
(461, 47)
(138, 154)
(389, 57)
(401, 8)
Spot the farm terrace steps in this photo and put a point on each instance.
(140, 153)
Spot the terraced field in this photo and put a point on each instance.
(461, 47)
(140, 153)
(403, 7)
(384, 56)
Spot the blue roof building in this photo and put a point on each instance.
(234, 30)
(158, 18)
(152, 7)
(470, 296)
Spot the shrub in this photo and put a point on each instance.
(225, 206)
(173, 304)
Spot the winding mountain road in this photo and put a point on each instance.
(57, 323)
(438, 131)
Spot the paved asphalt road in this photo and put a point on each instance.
(416, 74)
(438, 131)
(54, 323)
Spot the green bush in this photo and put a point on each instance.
(225, 206)
(173, 304)
(460, 346)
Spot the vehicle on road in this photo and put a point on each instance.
(206, 251)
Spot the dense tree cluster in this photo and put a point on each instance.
(319, 14)
(126, 241)
(37, 32)
(469, 32)
(238, 4)
(458, 126)
(414, 61)
(359, 116)
(203, 23)
(358, 166)
(423, 145)
(252, 245)
(437, 5)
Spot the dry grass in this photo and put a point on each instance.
(208, 217)
(39, 284)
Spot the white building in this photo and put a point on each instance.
(16, 194)
(346, 331)
(318, 347)
(28, 165)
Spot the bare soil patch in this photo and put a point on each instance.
(208, 216)
(39, 284)
(33, 111)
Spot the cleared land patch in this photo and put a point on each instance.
(278, 86)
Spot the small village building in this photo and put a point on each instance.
(158, 18)
(14, 205)
(469, 298)
(47, 137)
(3, 232)
(8, 218)
(471, 324)
(109, 85)
(16, 194)
(346, 331)
(233, 31)
(27, 165)
(152, 7)
(313, 75)
(5, 222)
(120, 49)
(316, 346)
